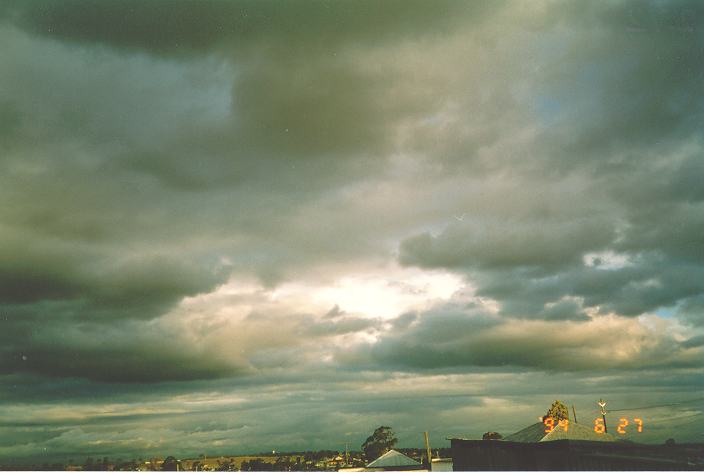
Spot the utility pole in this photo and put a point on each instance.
(427, 450)
(602, 405)
(347, 450)
(574, 413)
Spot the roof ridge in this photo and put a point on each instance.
(402, 459)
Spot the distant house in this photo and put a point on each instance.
(336, 461)
(394, 461)
(391, 461)
(441, 465)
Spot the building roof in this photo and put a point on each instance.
(532, 433)
(575, 431)
(394, 459)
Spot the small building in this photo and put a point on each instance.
(441, 465)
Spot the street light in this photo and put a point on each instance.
(602, 404)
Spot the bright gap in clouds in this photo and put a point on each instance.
(385, 293)
(390, 294)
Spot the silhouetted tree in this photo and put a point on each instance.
(380, 442)
(492, 436)
(558, 411)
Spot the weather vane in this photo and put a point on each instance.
(602, 405)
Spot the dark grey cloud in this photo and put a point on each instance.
(454, 337)
(79, 318)
(651, 282)
(691, 310)
(117, 349)
(188, 27)
(625, 84)
(620, 112)
(506, 244)
(565, 310)
(123, 363)
(298, 91)
(694, 342)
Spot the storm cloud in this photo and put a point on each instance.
(229, 225)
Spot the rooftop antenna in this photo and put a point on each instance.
(602, 404)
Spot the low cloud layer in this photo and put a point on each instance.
(341, 205)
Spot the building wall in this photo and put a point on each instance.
(470, 455)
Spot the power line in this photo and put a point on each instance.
(656, 405)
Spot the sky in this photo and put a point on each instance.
(240, 226)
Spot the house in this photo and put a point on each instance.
(391, 461)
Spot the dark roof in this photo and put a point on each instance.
(532, 433)
(575, 431)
